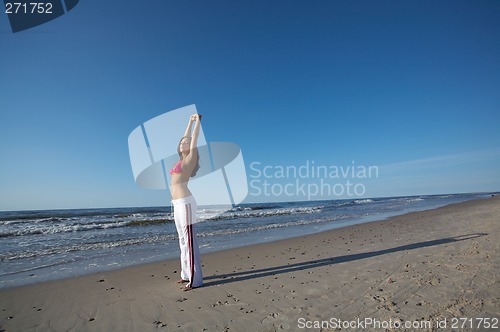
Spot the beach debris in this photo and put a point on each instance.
(220, 303)
(159, 323)
(390, 280)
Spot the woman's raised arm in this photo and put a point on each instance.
(196, 131)
(187, 133)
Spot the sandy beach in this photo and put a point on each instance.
(434, 267)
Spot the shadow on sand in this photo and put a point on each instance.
(270, 271)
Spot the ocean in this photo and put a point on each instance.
(46, 245)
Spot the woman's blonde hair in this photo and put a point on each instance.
(197, 166)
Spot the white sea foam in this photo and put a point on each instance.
(363, 201)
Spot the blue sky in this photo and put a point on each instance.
(412, 87)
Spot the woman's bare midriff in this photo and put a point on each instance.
(178, 186)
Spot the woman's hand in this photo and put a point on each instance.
(195, 117)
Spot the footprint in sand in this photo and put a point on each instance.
(281, 321)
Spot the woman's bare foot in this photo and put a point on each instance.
(182, 281)
(187, 288)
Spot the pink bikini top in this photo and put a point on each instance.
(177, 168)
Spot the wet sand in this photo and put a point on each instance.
(432, 266)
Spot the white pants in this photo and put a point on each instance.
(185, 218)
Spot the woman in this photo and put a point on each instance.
(185, 207)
